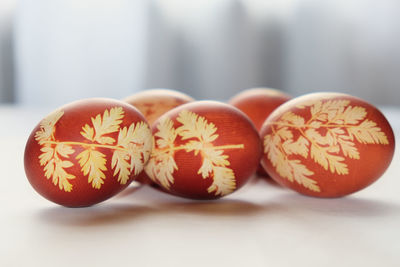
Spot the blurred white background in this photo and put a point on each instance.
(56, 51)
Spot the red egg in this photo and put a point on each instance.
(327, 144)
(155, 102)
(87, 151)
(258, 104)
(203, 150)
(152, 104)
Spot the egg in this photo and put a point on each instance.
(326, 144)
(87, 151)
(203, 150)
(258, 104)
(153, 103)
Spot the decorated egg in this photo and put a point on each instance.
(258, 103)
(155, 102)
(326, 144)
(152, 104)
(87, 151)
(203, 150)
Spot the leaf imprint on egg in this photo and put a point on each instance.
(199, 135)
(328, 137)
(131, 149)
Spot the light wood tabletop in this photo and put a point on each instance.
(260, 225)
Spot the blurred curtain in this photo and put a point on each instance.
(72, 49)
(349, 46)
(69, 49)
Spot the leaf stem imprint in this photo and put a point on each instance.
(307, 125)
(88, 145)
(183, 147)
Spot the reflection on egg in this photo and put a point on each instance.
(87, 151)
(203, 150)
(326, 144)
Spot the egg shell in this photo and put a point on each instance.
(153, 103)
(327, 144)
(258, 104)
(203, 150)
(81, 154)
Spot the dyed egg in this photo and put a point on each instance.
(155, 102)
(203, 150)
(258, 104)
(326, 144)
(87, 151)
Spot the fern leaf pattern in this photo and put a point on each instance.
(93, 164)
(130, 151)
(136, 141)
(47, 127)
(102, 125)
(199, 134)
(342, 124)
(52, 154)
(162, 163)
